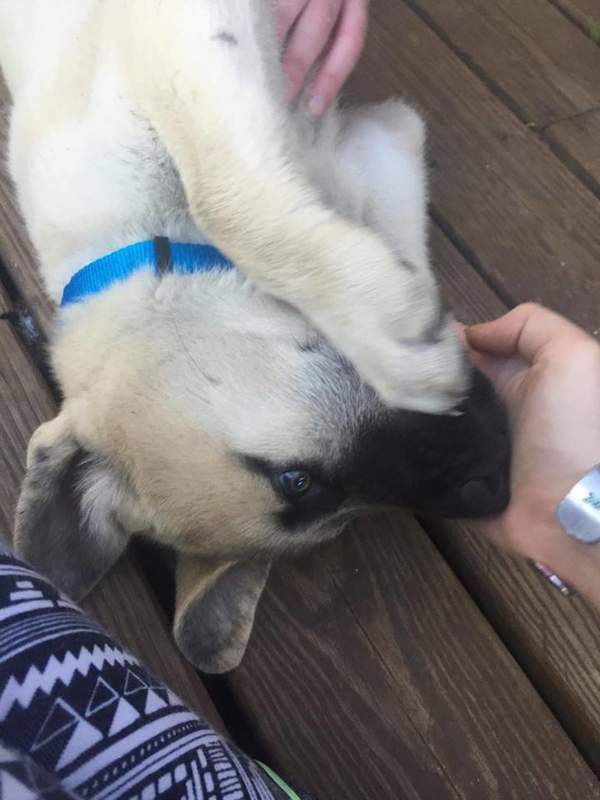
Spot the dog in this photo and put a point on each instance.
(232, 414)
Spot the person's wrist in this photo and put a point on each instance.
(578, 512)
(526, 530)
(540, 538)
(577, 564)
(539, 486)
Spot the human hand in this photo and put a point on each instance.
(548, 372)
(310, 29)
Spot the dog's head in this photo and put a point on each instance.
(214, 417)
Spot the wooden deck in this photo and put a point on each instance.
(409, 659)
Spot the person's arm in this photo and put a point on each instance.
(330, 31)
(548, 371)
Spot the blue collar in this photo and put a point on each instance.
(159, 254)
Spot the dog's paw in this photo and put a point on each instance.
(389, 322)
(401, 120)
(430, 377)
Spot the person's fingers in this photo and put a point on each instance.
(498, 369)
(311, 33)
(489, 365)
(286, 14)
(525, 331)
(507, 375)
(345, 51)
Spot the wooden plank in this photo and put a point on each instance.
(586, 13)
(24, 401)
(555, 640)
(16, 255)
(523, 217)
(16, 252)
(372, 674)
(542, 65)
(122, 603)
(466, 292)
(577, 142)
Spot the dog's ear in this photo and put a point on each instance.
(66, 523)
(215, 608)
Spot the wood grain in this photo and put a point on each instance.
(372, 674)
(16, 252)
(467, 293)
(584, 12)
(555, 640)
(529, 53)
(577, 142)
(24, 402)
(122, 603)
(526, 221)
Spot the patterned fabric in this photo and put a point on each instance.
(92, 720)
(22, 779)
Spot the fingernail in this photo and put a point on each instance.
(316, 106)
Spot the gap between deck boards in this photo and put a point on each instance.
(504, 96)
(580, 19)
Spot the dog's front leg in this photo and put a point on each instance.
(206, 75)
(379, 176)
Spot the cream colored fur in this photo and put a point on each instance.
(94, 76)
(139, 118)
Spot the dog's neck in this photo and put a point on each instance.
(160, 255)
(85, 190)
(106, 327)
(67, 255)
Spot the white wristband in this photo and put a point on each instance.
(579, 511)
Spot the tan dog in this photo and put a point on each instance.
(214, 411)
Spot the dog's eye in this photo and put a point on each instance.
(295, 483)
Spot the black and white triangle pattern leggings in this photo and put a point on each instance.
(81, 718)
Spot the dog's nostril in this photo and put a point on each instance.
(492, 483)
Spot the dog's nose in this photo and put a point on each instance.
(484, 495)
